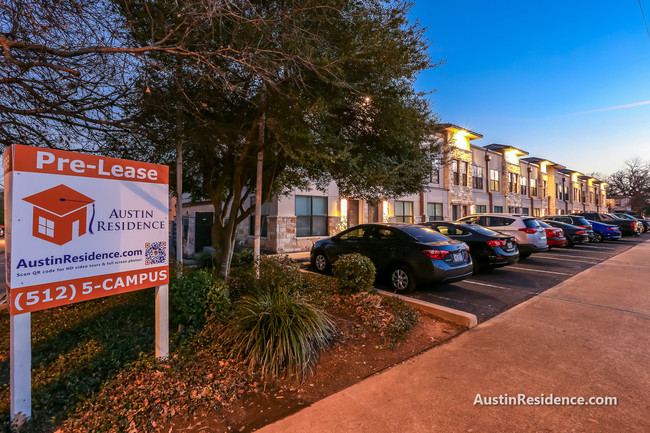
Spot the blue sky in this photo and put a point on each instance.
(544, 76)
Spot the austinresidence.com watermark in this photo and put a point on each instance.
(542, 400)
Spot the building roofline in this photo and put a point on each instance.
(504, 147)
(472, 134)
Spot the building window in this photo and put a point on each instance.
(513, 209)
(480, 208)
(558, 191)
(454, 212)
(498, 209)
(454, 170)
(434, 211)
(311, 215)
(404, 211)
(533, 187)
(544, 187)
(537, 212)
(512, 182)
(46, 227)
(494, 180)
(576, 194)
(477, 177)
(266, 207)
(435, 175)
(525, 211)
(464, 167)
(522, 189)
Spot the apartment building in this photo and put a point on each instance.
(467, 179)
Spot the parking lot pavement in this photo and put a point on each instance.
(494, 291)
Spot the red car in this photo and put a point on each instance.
(554, 236)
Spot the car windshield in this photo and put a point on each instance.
(483, 230)
(424, 234)
(608, 217)
(580, 222)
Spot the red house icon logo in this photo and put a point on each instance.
(59, 214)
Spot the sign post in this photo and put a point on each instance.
(79, 227)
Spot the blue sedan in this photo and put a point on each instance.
(605, 232)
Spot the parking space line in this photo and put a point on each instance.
(598, 247)
(592, 262)
(600, 259)
(539, 270)
(495, 286)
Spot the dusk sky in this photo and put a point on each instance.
(565, 80)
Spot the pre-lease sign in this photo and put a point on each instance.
(82, 226)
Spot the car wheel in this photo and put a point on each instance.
(321, 263)
(402, 280)
(523, 256)
(598, 237)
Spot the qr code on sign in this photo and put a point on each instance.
(155, 253)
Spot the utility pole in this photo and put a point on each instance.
(258, 190)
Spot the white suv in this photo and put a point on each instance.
(531, 237)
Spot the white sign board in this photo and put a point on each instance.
(82, 226)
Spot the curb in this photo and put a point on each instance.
(458, 317)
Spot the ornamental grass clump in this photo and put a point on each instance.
(280, 334)
(355, 273)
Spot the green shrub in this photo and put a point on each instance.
(279, 273)
(355, 273)
(278, 332)
(188, 295)
(242, 258)
(217, 302)
(205, 260)
(276, 273)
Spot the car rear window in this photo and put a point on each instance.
(424, 234)
(531, 223)
(580, 221)
(543, 224)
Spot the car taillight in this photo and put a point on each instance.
(436, 254)
(585, 227)
(529, 231)
(580, 232)
(559, 233)
(614, 229)
(496, 243)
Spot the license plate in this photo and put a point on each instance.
(509, 245)
(458, 257)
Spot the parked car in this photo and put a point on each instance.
(605, 232)
(628, 227)
(554, 236)
(531, 237)
(575, 220)
(642, 223)
(487, 247)
(408, 254)
(574, 234)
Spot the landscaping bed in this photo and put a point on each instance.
(94, 369)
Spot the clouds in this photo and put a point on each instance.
(617, 107)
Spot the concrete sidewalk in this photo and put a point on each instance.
(586, 337)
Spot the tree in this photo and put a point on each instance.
(333, 80)
(632, 181)
(70, 68)
(345, 111)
